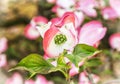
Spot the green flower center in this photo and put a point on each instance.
(60, 39)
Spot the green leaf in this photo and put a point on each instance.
(34, 63)
(81, 52)
(93, 63)
(74, 59)
(84, 50)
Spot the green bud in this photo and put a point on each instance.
(60, 39)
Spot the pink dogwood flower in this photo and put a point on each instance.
(30, 31)
(3, 44)
(15, 79)
(91, 33)
(114, 41)
(83, 78)
(61, 35)
(3, 60)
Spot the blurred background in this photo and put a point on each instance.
(16, 14)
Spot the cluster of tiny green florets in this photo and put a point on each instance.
(60, 39)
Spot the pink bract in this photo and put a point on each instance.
(114, 41)
(91, 33)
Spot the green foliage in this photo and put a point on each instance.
(35, 63)
(82, 52)
(94, 62)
